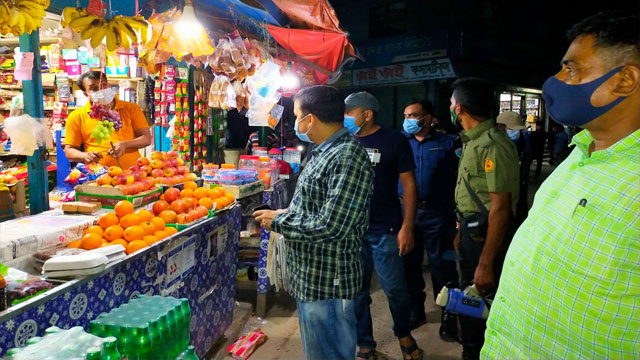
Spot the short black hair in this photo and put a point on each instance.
(325, 102)
(613, 31)
(91, 74)
(475, 95)
(427, 106)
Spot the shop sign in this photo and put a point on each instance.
(415, 71)
(345, 80)
(404, 48)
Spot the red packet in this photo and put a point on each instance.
(97, 7)
(246, 345)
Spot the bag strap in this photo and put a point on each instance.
(475, 198)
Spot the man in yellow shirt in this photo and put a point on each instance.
(133, 135)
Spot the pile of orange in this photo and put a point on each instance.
(192, 203)
(126, 227)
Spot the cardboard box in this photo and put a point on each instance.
(242, 191)
(12, 206)
(109, 196)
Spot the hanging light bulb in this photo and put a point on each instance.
(289, 81)
(188, 21)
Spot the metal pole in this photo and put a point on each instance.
(32, 95)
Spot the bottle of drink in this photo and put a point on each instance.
(13, 351)
(92, 354)
(156, 341)
(186, 313)
(97, 328)
(34, 340)
(141, 344)
(110, 349)
(124, 342)
(164, 334)
(190, 354)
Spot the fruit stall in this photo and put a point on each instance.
(177, 222)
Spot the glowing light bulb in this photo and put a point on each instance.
(290, 81)
(188, 24)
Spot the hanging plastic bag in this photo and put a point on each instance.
(27, 134)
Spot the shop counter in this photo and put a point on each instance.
(198, 263)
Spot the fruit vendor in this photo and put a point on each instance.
(131, 131)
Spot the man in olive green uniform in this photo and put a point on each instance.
(486, 194)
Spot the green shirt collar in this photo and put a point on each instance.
(475, 133)
(629, 145)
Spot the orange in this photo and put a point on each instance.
(169, 216)
(216, 192)
(91, 241)
(114, 232)
(191, 185)
(104, 241)
(159, 223)
(105, 244)
(144, 215)
(182, 218)
(129, 220)
(107, 220)
(170, 230)
(179, 206)
(160, 206)
(191, 202)
(122, 242)
(95, 229)
(199, 193)
(230, 197)
(149, 239)
(135, 246)
(220, 203)
(186, 193)
(148, 228)
(160, 235)
(133, 233)
(171, 194)
(75, 244)
(206, 202)
(123, 208)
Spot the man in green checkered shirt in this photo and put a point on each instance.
(570, 287)
(325, 225)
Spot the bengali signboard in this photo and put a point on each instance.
(397, 73)
(404, 48)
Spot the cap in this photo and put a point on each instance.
(361, 99)
(511, 119)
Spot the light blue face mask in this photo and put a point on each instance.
(513, 134)
(411, 126)
(302, 136)
(350, 124)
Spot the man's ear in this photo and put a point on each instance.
(629, 81)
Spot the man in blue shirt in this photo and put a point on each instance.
(435, 225)
(390, 237)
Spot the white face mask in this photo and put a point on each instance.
(103, 97)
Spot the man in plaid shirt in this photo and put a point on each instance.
(325, 225)
(570, 287)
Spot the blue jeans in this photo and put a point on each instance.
(382, 250)
(328, 329)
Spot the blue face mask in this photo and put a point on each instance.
(571, 104)
(302, 136)
(513, 134)
(350, 124)
(410, 126)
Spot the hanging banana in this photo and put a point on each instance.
(21, 16)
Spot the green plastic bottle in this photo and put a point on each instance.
(156, 341)
(141, 344)
(97, 328)
(13, 351)
(34, 340)
(124, 342)
(92, 354)
(186, 313)
(190, 354)
(175, 346)
(110, 349)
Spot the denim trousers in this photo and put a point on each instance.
(328, 329)
(381, 250)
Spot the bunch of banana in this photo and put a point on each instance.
(21, 16)
(121, 31)
(70, 13)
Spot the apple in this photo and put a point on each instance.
(162, 180)
(119, 180)
(147, 169)
(180, 161)
(157, 164)
(192, 176)
(124, 188)
(169, 172)
(156, 173)
(143, 175)
(156, 155)
(171, 154)
(137, 176)
(130, 180)
(134, 168)
(146, 183)
(114, 171)
(143, 162)
(166, 163)
(137, 187)
(176, 179)
(104, 179)
(173, 163)
(183, 170)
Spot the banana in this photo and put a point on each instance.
(13, 19)
(91, 29)
(36, 11)
(70, 13)
(97, 37)
(80, 23)
(42, 3)
(142, 25)
(29, 23)
(19, 26)
(127, 30)
(114, 38)
(5, 12)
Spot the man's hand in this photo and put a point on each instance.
(405, 240)
(118, 149)
(91, 157)
(484, 279)
(265, 217)
(456, 242)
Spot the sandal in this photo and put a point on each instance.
(409, 350)
(369, 355)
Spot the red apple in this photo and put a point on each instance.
(171, 154)
(120, 180)
(166, 163)
(114, 171)
(183, 169)
(124, 188)
(156, 173)
(180, 161)
(173, 163)
(147, 169)
(176, 179)
(157, 164)
(146, 183)
(134, 168)
(143, 175)
(156, 155)
(161, 180)
(137, 187)
(143, 162)
(137, 176)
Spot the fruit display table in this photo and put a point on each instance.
(198, 263)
